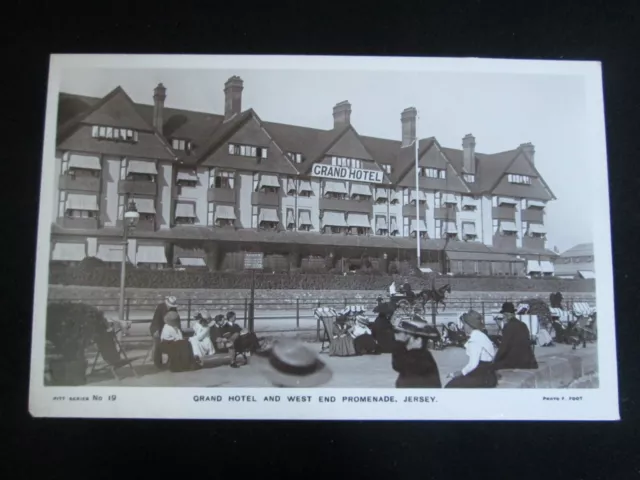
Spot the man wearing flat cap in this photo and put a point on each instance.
(516, 347)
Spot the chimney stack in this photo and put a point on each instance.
(159, 96)
(342, 114)
(408, 118)
(529, 151)
(469, 154)
(233, 97)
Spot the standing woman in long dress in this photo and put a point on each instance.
(412, 360)
(342, 342)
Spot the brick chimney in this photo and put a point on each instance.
(529, 151)
(233, 97)
(342, 114)
(159, 96)
(408, 119)
(469, 154)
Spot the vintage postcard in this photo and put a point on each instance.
(271, 237)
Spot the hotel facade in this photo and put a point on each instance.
(210, 187)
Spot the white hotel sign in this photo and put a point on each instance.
(344, 173)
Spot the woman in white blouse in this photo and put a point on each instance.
(478, 372)
(201, 340)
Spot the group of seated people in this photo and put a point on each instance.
(210, 336)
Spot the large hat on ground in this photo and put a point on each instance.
(171, 302)
(508, 307)
(414, 326)
(473, 319)
(172, 318)
(289, 363)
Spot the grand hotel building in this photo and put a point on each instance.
(210, 187)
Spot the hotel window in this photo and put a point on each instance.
(210, 213)
(187, 178)
(179, 144)
(433, 172)
(386, 167)
(247, 151)
(185, 213)
(393, 226)
(266, 183)
(519, 179)
(346, 162)
(381, 225)
(70, 213)
(268, 219)
(62, 203)
(224, 179)
(290, 219)
(525, 228)
(304, 220)
(469, 177)
(496, 226)
(254, 217)
(121, 200)
(113, 133)
(295, 157)
(405, 226)
(405, 196)
(469, 231)
(438, 228)
(468, 203)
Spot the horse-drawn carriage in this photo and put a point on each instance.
(408, 301)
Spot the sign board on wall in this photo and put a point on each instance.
(253, 261)
(344, 173)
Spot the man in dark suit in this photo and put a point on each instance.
(516, 349)
(157, 324)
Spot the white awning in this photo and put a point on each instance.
(537, 228)
(331, 186)
(422, 197)
(145, 205)
(507, 201)
(290, 220)
(333, 219)
(80, 201)
(185, 210)
(393, 226)
(305, 219)
(450, 226)
(187, 175)
(417, 226)
(360, 189)
(381, 223)
(192, 262)
(109, 252)
(225, 212)
(508, 226)
(449, 198)
(86, 162)
(268, 181)
(381, 193)
(305, 186)
(547, 266)
(539, 267)
(469, 229)
(394, 196)
(147, 167)
(291, 185)
(468, 202)
(151, 254)
(268, 215)
(586, 274)
(358, 220)
(69, 252)
(535, 204)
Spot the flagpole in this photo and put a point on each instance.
(417, 151)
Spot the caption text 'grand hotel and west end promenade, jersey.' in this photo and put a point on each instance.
(210, 186)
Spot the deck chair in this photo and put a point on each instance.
(110, 349)
(326, 316)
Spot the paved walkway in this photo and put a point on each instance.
(349, 372)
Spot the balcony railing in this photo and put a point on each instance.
(269, 199)
(410, 210)
(445, 213)
(79, 223)
(504, 213)
(81, 184)
(226, 195)
(347, 205)
(533, 242)
(137, 187)
(532, 215)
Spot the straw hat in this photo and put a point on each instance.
(413, 327)
(171, 302)
(473, 319)
(289, 363)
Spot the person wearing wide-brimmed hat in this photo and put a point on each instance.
(342, 342)
(201, 340)
(382, 329)
(363, 340)
(157, 324)
(290, 364)
(412, 360)
(516, 346)
(478, 372)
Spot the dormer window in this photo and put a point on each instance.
(346, 162)
(114, 133)
(386, 167)
(247, 151)
(429, 172)
(469, 177)
(519, 179)
(181, 144)
(295, 157)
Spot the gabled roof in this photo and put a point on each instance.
(580, 250)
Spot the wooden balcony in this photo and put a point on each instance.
(80, 184)
(348, 205)
(504, 213)
(266, 199)
(533, 242)
(445, 213)
(79, 223)
(226, 195)
(137, 187)
(410, 210)
(532, 215)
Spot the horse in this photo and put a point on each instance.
(435, 295)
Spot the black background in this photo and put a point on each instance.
(596, 30)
